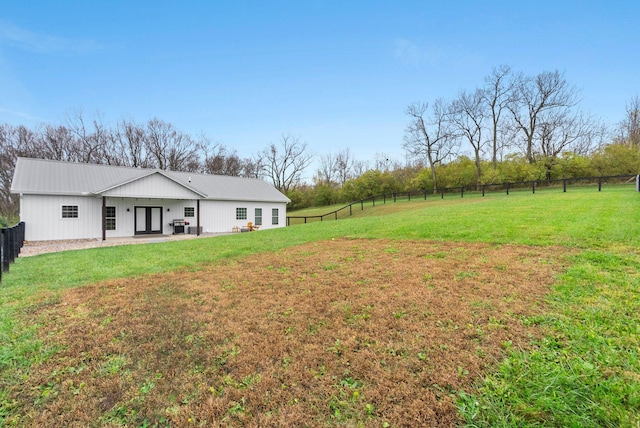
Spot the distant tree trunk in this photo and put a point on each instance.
(497, 95)
(467, 115)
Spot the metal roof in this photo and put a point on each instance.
(48, 177)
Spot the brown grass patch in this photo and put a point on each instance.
(341, 332)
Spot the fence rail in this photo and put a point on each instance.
(11, 242)
(532, 186)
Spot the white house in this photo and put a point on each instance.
(66, 200)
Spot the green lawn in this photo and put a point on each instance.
(585, 372)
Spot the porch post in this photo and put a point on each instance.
(104, 218)
(198, 217)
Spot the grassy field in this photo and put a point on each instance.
(540, 325)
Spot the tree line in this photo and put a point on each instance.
(609, 160)
(155, 144)
(513, 127)
(537, 116)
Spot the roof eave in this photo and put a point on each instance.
(44, 192)
(273, 201)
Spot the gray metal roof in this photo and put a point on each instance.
(47, 177)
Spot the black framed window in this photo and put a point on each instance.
(258, 219)
(110, 218)
(69, 211)
(189, 212)
(241, 213)
(274, 216)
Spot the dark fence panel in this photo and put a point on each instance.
(11, 242)
(530, 186)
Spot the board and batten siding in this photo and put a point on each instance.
(46, 186)
(152, 186)
(171, 209)
(220, 216)
(42, 215)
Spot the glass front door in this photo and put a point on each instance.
(148, 220)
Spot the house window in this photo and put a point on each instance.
(274, 216)
(110, 218)
(258, 219)
(189, 212)
(241, 213)
(69, 211)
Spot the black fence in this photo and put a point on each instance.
(11, 241)
(507, 187)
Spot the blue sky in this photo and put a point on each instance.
(338, 74)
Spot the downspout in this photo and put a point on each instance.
(104, 218)
(198, 217)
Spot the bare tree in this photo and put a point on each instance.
(327, 173)
(14, 142)
(221, 162)
(467, 115)
(8, 155)
(253, 167)
(129, 146)
(359, 167)
(171, 149)
(57, 143)
(497, 93)
(430, 137)
(629, 127)
(563, 131)
(344, 166)
(336, 169)
(535, 97)
(92, 144)
(385, 163)
(284, 164)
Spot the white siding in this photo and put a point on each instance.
(171, 209)
(43, 217)
(220, 216)
(152, 186)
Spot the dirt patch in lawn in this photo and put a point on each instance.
(334, 333)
